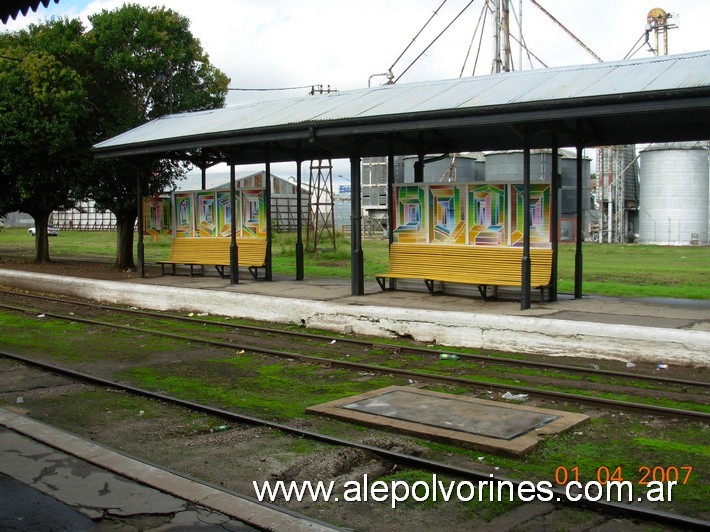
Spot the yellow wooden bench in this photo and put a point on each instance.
(479, 265)
(215, 252)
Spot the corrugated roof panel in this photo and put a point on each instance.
(263, 114)
(333, 106)
(377, 101)
(624, 79)
(400, 99)
(450, 95)
(629, 77)
(563, 84)
(502, 89)
(679, 76)
(393, 100)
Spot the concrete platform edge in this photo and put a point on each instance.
(536, 335)
(243, 509)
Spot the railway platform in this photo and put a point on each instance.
(666, 331)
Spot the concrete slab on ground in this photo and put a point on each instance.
(110, 487)
(466, 421)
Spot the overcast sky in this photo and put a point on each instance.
(268, 44)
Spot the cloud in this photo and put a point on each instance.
(286, 43)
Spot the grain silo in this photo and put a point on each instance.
(673, 199)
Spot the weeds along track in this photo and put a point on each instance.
(386, 459)
(643, 393)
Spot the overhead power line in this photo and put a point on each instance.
(435, 39)
(546, 12)
(417, 35)
(270, 89)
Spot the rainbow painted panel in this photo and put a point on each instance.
(206, 223)
(410, 214)
(184, 217)
(446, 215)
(487, 220)
(224, 214)
(253, 213)
(539, 215)
(156, 216)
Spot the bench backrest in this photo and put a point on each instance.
(479, 264)
(252, 251)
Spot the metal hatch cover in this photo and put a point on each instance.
(459, 420)
(495, 421)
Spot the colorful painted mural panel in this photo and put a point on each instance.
(156, 216)
(410, 214)
(539, 215)
(487, 215)
(253, 213)
(206, 225)
(224, 214)
(184, 216)
(446, 215)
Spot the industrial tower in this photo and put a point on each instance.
(617, 167)
(321, 217)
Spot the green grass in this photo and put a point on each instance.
(90, 245)
(634, 270)
(72, 341)
(614, 442)
(624, 270)
(254, 386)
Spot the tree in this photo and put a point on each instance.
(43, 120)
(63, 89)
(144, 62)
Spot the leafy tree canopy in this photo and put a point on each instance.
(145, 62)
(70, 88)
(43, 121)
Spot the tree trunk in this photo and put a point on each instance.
(41, 239)
(125, 228)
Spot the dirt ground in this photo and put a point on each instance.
(77, 268)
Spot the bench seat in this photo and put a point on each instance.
(216, 252)
(479, 265)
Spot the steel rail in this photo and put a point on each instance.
(559, 495)
(640, 408)
(354, 341)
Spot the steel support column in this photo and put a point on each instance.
(419, 169)
(579, 238)
(233, 248)
(391, 205)
(555, 215)
(525, 267)
(267, 204)
(140, 245)
(299, 223)
(356, 256)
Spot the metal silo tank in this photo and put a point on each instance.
(673, 199)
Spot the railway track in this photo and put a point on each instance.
(332, 353)
(401, 459)
(368, 344)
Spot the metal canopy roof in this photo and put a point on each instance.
(646, 100)
(11, 8)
